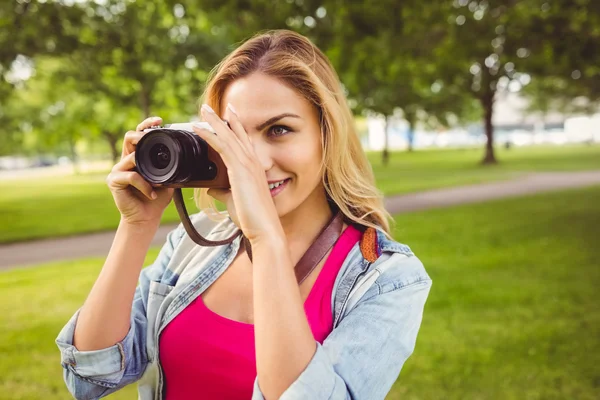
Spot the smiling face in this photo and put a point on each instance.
(284, 129)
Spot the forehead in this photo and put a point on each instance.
(258, 97)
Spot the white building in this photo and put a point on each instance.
(512, 124)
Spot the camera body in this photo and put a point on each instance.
(175, 156)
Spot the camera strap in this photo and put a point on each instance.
(308, 262)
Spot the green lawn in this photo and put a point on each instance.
(422, 170)
(37, 208)
(65, 205)
(513, 312)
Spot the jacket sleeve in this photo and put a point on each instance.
(98, 373)
(363, 355)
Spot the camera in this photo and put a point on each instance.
(174, 156)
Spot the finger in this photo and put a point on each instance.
(127, 163)
(130, 141)
(228, 153)
(133, 137)
(211, 138)
(238, 128)
(228, 138)
(148, 123)
(125, 179)
(221, 195)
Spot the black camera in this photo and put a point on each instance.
(174, 156)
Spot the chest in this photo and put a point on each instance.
(231, 295)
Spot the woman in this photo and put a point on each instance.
(209, 322)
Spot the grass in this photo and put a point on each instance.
(513, 312)
(68, 205)
(34, 303)
(423, 170)
(62, 206)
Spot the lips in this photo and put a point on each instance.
(273, 185)
(277, 187)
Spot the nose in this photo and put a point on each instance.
(263, 152)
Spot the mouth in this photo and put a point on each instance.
(277, 187)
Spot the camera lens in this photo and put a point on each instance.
(160, 156)
(173, 156)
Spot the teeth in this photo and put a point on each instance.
(276, 184)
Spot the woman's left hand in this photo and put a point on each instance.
(249, 200)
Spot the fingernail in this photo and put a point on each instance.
(155, 118)
(207, 108)
(231, 108)
(153, 195)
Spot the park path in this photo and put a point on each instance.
(98, 244)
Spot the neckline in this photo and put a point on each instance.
(245, 325)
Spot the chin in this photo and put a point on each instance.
(287, 203)
(284, 207)
(295, 197)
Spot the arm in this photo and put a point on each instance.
(122, 360)
(105, 316)
(284, 340)
(363, 356)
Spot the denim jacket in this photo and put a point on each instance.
(377, 306)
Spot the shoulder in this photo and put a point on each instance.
(209, 227)
(400, 271)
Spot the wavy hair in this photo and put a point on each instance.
(293, 59)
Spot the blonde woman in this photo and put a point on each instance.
(214, 323)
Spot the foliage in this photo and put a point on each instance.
(435, 61)
(567, 65)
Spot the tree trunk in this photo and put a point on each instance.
(487, 102)
(74, 156)
(411, 132)
(112, 141)
(385, 156)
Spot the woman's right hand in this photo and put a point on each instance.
(137, 200)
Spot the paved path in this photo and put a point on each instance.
(98, 244)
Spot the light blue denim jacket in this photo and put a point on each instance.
(377, 310)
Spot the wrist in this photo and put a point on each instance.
(271, 240)
(131, 238)
(139, 227)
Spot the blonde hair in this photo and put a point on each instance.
(293, 59)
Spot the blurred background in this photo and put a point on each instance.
(481, 120)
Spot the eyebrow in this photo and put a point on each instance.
(274, 119)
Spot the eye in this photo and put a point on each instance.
(278, 130)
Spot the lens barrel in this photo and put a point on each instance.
(171, 156)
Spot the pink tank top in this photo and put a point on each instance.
(205, 355)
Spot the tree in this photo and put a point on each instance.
(29, 29)
(569, 68)
(498, 45)
(391, 66)
(142, 56)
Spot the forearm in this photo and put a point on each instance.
(105, 316)
(284, 341)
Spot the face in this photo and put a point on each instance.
(285, 132)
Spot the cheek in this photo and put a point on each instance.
(302, 159)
